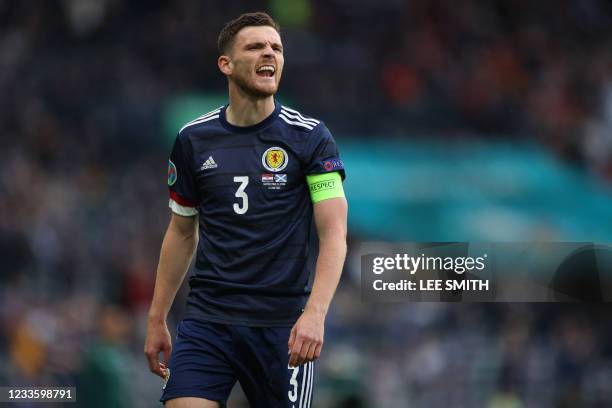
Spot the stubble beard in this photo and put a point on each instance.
(251, 91)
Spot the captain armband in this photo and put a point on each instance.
(324, 186)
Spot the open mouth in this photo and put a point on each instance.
(266, 71)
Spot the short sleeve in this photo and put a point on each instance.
(184, 196)
(322, 154)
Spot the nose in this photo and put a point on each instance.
(268, 51)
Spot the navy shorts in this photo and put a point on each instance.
(208, 358)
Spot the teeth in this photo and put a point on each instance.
(266, 68)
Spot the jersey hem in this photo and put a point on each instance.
(238, 322)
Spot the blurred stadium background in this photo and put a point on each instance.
(471, 120)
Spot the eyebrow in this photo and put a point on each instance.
(260, 44)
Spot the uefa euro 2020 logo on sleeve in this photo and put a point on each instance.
(171, 173)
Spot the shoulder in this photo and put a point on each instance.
(299, 121)
(201, 122)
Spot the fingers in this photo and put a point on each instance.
(311, 352)
(317, 352)
(305, 349)
(294, 356)
(291, 338)
(158, 341)
(152, 352)
(153, 359)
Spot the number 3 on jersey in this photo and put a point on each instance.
(244, 206)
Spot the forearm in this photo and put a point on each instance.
(332, 251)
(175, 256)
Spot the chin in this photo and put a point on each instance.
(269, 91)
(255, 89)
(262, 91)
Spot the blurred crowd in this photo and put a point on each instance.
(83, 203)
(467, 355)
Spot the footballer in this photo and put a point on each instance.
(256, 192)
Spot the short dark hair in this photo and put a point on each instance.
(229, 31)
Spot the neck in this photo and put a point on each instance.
(247, 110)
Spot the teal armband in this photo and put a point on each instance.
(324, 186)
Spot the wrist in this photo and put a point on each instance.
(316, 309)
(157, 318)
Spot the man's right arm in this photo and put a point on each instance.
(177, 249)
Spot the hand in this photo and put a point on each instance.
(306, 338)
(158, 340)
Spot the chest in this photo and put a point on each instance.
(243, 174)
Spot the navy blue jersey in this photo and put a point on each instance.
(257, 243)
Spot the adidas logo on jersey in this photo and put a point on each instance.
(209, 164)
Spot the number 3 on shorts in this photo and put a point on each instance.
(293, 393)
(301, 394)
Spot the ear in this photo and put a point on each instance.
(225, 65)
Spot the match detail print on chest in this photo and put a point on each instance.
(268, 164)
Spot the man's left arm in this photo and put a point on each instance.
(306, 339)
